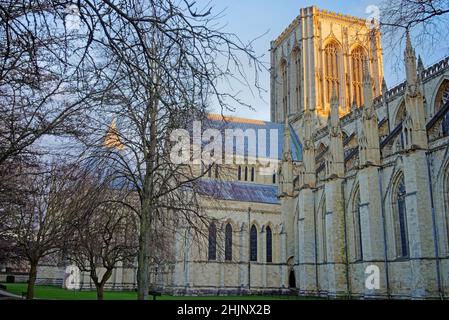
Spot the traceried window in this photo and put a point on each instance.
(357, 57)
(212, 242)
(284, 87)
(269, 245)
(331, 56)
(228, 242)
(253, 243)
(297, 59)
(446, 207)
(358, 249)
(400, 219)
(442, 99)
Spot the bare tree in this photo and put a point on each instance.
(427, 19)
(154, 66)
(165, 63)
(39, 226)
(106, 234)
(41, 73)
(13, 186)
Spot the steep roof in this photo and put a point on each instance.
(238, 191)
(232, 123)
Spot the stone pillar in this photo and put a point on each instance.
(283, 264)
(419, 225)
(335, 232)
(306, 243)
(288, 219)
(371, 225)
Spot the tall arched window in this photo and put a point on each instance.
(358, 249)
(246, 173)
(284, 87)
(297, 59)
(253, 243)
(400, 219)
(217, 172)
(441, 99)
(357, 57)
(212, 242)
(269, 245)
(331, 56)
(239, 173)
(446, 206)
(228, 242)
(399, 118)
(274, 178)
(252, 173)
(323, 232)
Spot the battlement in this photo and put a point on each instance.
(314, 11)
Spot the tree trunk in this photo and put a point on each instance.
(100, 285)
(100, 291)
(32, 275)
(143, 271)
(143, 268)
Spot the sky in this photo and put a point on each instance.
(250, 19)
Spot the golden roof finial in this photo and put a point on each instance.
(112, 139)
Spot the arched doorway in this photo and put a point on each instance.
(291, 273)
(292, 279)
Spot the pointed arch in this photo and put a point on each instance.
(269, 244)
(212, 242)
(321, 149)
(284, 77)
(296, 56)
(441, 98)
(253, 243)
(437, 95)
(357, 226)
(332, 54)
(400, 116)
(228, 242)
(358, 55)
(400, 113)
(399, 209)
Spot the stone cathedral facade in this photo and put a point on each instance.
(372, 185)
(362, 182)
(368, 191)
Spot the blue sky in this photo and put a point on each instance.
(252, 18)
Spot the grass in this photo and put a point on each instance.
(57, 293)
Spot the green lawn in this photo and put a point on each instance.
(57, 293)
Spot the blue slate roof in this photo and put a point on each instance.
(238, 191)
(245, 124)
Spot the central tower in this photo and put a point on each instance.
(320, 50)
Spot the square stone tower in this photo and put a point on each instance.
(320, 50)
